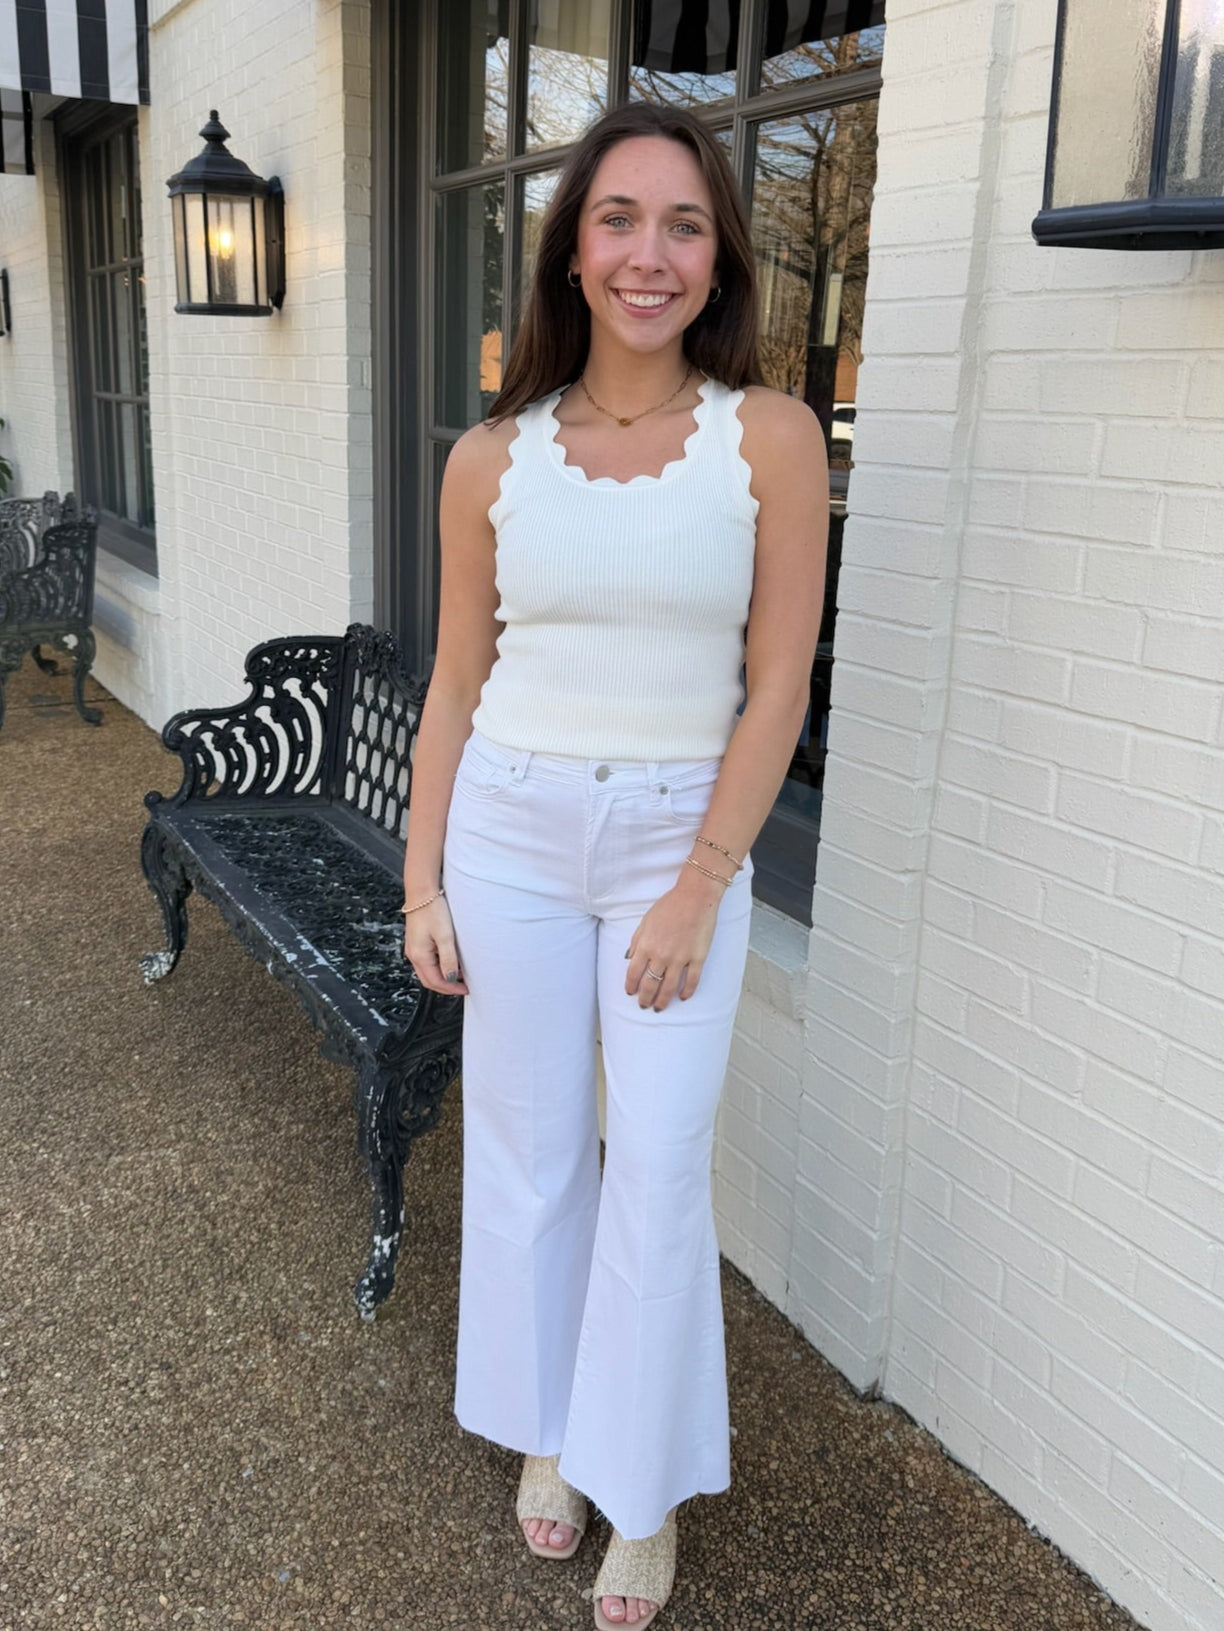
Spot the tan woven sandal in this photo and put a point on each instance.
(637, 1568)
(543, 1493)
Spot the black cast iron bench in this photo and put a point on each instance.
(47, 556)
(291, 819)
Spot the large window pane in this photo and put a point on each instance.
(1196, 146)
(811, 206)
(129, 451)
(803, 41)
(681, 52)
(133, 248)
(103, 340)
(535, 195)
(125, 349)
(473, 82)
(145, 518)
(567, 69)
(96, 248)
(110, 355)
(468, 359)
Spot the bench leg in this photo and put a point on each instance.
(170, 884)
(12, 655)
(86, 647)
(393, 1107)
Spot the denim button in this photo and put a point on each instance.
(602, 774)
(664, 788)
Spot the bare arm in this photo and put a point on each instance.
(784, 446)
(467, 635)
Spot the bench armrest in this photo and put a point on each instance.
(58, 587)
(275, 743)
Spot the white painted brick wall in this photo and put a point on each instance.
(33, 378)
(261, 427)
(1020, 891)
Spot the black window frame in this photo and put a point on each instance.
(81, 127)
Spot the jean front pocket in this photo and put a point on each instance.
(685, 802)
(483, 773)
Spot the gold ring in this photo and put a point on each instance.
(651, 975)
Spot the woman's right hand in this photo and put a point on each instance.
(429, 945)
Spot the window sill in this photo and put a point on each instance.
(777, 960)
(119, 580)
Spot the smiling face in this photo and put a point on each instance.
(647, 244)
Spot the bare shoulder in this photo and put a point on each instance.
(478, 460)
(769, 416)
(782, 439)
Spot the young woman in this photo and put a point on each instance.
(639, 524)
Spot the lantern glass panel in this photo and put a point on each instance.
(1106, 101)
(259, 226)
(180, 250)
(1196, 137)
(197, 274)
(231, 251)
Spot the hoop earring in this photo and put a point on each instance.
(573, 279)
(715, 295)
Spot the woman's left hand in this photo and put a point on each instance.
(673, 940)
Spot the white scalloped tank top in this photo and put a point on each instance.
(624, 603)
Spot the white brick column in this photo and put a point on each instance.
(918, 391)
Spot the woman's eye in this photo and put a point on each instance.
(690, 227)
(616, 220)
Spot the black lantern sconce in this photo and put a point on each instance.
(229, 233)
(1135, 158)
(6, 311)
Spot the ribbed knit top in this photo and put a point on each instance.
(624, 603)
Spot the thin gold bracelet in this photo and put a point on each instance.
(428, 901)
(709, 872)
(710, 844)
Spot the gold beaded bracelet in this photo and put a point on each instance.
(710, 844)
(428, 901)
(709, 872)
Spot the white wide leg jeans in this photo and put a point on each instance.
(590, 1313)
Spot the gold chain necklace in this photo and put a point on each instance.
(599, 408)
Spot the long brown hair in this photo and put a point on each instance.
(554, 336)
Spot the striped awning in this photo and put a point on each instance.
(97, 49)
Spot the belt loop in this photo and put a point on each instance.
(521, 760)
(654, 777)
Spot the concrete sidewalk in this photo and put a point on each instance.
(195, 1427)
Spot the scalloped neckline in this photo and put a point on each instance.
(575, 472)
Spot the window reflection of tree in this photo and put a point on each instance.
(837, 54)
(811, 209)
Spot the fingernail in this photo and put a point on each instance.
(628, 954)
(453, 976)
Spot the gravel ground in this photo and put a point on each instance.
(195, 1427)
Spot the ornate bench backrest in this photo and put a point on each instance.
(274, 744)
(22, 524)
(58, 589)
(377, 729)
